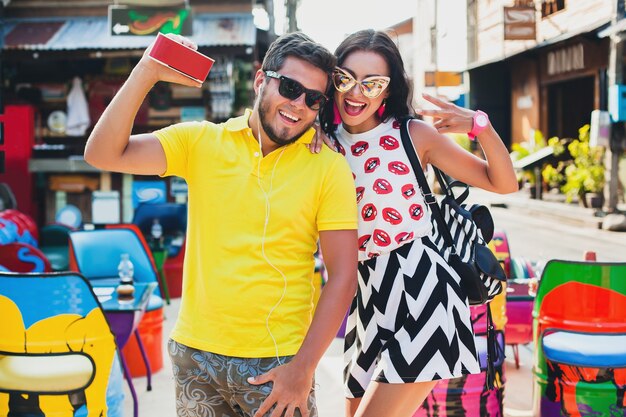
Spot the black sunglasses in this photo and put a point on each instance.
(292, 89)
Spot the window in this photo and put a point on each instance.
(549, 7)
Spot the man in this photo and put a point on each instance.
(245, 342)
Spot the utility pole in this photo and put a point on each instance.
(613, 152)
(291, 7)
(269, 8)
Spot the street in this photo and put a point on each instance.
(541, 239)
(537, 238)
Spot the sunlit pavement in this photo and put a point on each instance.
(160, 401)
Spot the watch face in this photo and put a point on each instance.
(481, 120)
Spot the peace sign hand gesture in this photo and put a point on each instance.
(449, 118)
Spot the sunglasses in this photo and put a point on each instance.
(292, 89)
(371, 87)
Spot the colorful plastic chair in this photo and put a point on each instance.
(26, 231)
(579, 331)
(520, 297)
(96, 254)
(57, 350)
(22, 257)
(173, 219)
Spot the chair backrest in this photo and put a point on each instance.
(55, 234)
(135, 229)
(55, 343)
(96, 254)
(22, 257)
(24, 228)
(582, 296)
(172, 216)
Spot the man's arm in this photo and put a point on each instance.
(292, 382)
(110, 146)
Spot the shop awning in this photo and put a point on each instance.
(209, 30)
(535, 159)
(597, 26)
(618, 27)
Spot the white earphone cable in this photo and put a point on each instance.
(265, 223)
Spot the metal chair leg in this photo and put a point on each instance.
(145, 359)
(164, 287)
(129, 379)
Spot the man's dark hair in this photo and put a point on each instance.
(298, 45)
(398, 103)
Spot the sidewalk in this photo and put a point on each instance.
(552, 206)
(160, 402)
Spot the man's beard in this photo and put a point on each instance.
(269, 130)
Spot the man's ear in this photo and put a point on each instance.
(259, 80)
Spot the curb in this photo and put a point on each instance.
(557, 210)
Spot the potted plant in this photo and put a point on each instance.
(584, 174)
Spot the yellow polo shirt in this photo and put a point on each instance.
(234, 273)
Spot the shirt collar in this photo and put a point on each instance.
(240, 123)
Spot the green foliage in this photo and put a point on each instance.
(584, 173)
(553, 176)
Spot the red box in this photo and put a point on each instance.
(181, 58)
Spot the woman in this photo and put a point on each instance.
(409, 324)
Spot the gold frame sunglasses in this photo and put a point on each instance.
(371, 87)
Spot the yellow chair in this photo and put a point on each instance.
(57, 347)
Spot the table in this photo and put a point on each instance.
(124, 319)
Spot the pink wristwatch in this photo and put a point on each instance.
(480, 122)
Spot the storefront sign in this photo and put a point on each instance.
(442, 79)
(519, 23)
(148, 21)
(566, 60)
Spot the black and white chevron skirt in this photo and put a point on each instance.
(409, 322)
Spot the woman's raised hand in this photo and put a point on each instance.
(449, 118)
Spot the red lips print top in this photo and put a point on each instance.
(392, 211)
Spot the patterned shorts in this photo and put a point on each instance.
(211, 385)
(409, 322)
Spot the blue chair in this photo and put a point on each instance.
(96, 254)
(173, 219)
(58, 352)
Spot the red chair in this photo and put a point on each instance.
(22, 257)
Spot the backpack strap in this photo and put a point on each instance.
(429, 197)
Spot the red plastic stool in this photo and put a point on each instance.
(151, 333)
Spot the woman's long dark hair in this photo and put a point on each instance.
(398, 103)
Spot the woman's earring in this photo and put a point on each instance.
(336, 114)
(381, 110)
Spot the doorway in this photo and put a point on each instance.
(570, 104)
